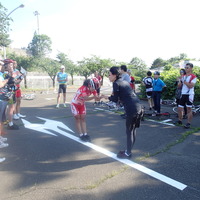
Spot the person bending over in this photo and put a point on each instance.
(123, 92)
(78, 107)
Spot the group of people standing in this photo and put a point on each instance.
(10, 98)
(184, 93)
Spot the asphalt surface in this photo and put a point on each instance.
(46, 160)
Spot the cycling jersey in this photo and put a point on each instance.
(148, 81)
(185, 88)
(123, 92)
(83, 91)
(62, 77)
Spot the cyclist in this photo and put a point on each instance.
(62, 79)
(18, 77)
(3, 105)
(178, 91)
(158, 86)
(148, 82)
(78, 107)
(12, 85)
(123, 92)
(187, 94)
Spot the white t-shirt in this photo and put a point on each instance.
(185, 88)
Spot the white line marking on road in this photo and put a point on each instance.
(160, 122)
(54, 125)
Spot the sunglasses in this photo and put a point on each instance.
(187, 67)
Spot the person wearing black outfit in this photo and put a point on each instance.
(122, 92)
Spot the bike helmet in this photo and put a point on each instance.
(7, 61)
(89, 83)
(156, 73)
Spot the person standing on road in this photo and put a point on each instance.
(158, 86)
(125, 77)
(78, 107)
(148, 83)
(62, 79)
(123, 92)
(132, 82)
(18, 77)
(187, 94)
(3, 105)
(178, 91)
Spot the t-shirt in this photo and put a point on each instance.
(126, 77)
(185, 88)
(83, 91)
(158, 84)
(62, 76)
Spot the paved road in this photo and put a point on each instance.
(45, 159)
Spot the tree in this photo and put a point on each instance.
(71, 68)
(50, 66)
(40, 46)
(159, 62)
(4, 27)
(137, 63)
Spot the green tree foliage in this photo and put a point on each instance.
(50, 66)
(4, 27)
(71, 68)
(159, 62)
(40, 46)
(88, 66)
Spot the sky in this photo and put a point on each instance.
(115, 29)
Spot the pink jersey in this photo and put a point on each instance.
(83, 91)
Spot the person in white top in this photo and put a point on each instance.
(187, 94)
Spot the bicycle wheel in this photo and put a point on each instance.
(175, 109)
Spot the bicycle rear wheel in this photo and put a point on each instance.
(175, 109)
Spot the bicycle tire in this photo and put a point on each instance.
(175, 109)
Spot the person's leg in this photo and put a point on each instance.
(83, 124)
(129, 128)
(189, 115)
(158, 101)
(78, 123)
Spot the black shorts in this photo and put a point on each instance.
(62, 88)
(185, 100)
(149, 94)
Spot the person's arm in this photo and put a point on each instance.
(190, 84)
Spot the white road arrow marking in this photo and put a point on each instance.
(54, 125)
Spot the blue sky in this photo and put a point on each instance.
(116, 29)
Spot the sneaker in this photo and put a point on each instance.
(2, 159)
(83, 138)
(123, 155)
(3, 139)
(13, 127)
(64, 105)
(178, 122)
(57, 106)
(87, 138)
(187, 125)
(2, 145)
(15, 116)
(21, 116)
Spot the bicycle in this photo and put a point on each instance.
(111, 106)
(195, 109)
(29, 96)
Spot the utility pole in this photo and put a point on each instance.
(36, 13)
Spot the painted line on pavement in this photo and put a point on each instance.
(56, 125)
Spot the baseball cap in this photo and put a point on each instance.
(62, 67)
